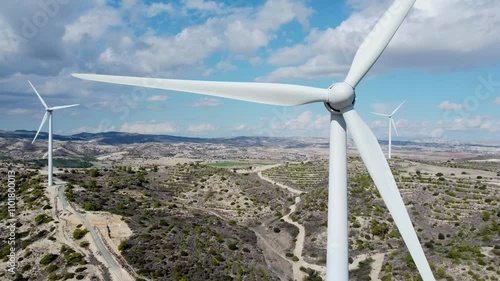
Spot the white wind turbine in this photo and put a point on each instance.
(391, 124)
(48, 112)
(339, 100)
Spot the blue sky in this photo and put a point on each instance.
(444, 61)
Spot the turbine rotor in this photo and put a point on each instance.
(340, 96)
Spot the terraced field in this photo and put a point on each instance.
(194, 221)
(303, 176)
(455, 212)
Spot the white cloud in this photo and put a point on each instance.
(306, 120)
(241, 31)
(469, 128)
(497, 101)
(108, 57)
(446, 105)
(380, 107)
(157, 98)
(159, 53)
(437, 36)
(202, 5)
(156, 9)
(225, 66)
(243, 39)
(481, 123)
(206, 102)
(278, 12)
(241, 127)
(149, 128)
(9, 41)
(18, 111)
(304, 123)
(93, 23)
(128, 4)
(89, 129)
(201, 128)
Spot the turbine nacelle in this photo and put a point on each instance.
(340, 96)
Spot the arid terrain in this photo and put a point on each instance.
(240, 209)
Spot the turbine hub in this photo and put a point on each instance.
(340, 95)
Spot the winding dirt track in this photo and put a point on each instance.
(299, 244)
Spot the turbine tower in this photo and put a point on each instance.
(391, 124)
(48, 113)
(339, 100)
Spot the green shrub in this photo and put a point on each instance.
(123, 246)
(54, 276)
(48, 258)
(79, 233)
(233, 245)
(52, 268)
(42, 218)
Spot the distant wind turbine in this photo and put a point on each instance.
(48, 112)
(339, 100)
(391, 124)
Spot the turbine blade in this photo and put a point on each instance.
(394, 126)
(41, 125)
(63, 106)
(380, 114)
(40, 97)
(266, 93)
(377, 40)
(398, 108)
(377, 166)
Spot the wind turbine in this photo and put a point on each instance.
(48, 112)
(391, 124)
(339, 100)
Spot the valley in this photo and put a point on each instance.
(259, 215)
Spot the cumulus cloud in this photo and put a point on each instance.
(157, 98)
(18, 111)
(225, 66)
(98, 129)
(446, 105)
(451, 34)
(380, 108)
(202, 5)
(201, 128)
(156, 9)
(481, 123)
(241, 127)
(305, 123)
(149, 128)
(240, 31)
(95, 36)
(309, 121)
(206, 102)
(93, 23)
(9, 41)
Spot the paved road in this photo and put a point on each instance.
(114, 267)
